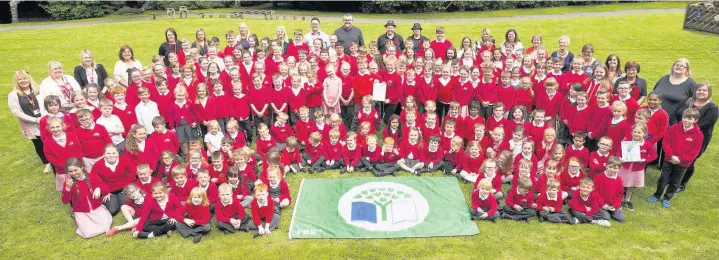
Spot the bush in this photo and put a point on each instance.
(388, 6)
(62, 10)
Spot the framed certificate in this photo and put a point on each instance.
(631, 151)
(379, 91)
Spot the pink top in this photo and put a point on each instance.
(331, 94)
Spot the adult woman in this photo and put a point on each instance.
(170, 45)
(708, 114)
(589, 61)
(639, 85)
(126, 62)
(536, 42)
(564, 53)
(282, 38)
(466, 45)
(614, 71)
(512, 37)
(676, 88)
(25, 105)
(200, 43)
(89, 71)
(58, 84)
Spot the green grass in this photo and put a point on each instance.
(35, 224)
(475, 14)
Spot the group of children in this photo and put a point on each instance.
(554, 137)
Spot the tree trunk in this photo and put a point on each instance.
(13, 10)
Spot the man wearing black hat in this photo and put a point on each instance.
(417, 37)
(390, 36)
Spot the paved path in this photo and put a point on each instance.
(372, 20)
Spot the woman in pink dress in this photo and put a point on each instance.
(331, 93)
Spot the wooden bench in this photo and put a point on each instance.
(183, 11)
(171, 12)
(266, 13)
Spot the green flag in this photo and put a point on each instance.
(380, 208)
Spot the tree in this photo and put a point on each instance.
(382, 197)
(13, 10)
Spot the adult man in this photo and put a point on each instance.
(316, 34)
(390, 36)
(417, 37)
(348, 33)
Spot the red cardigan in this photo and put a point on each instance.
(116, 180)
(93, 140)
(200, 214)
(580, 205)
(683, 144)
(80, 195)
(266, 212)
(58, 155)
(151, 155)
(151, 210)
(488, 205)
(223, 213)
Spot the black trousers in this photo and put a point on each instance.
(317, 165)
(37, 143)
(671, 177)
(158, 227)
(486, 111)
(690, 171)
(246, 224)
(584, 218)
(388, 112)
(513, 214)
(348, 114)
(117, 199)
(554, 217)
(247, 129)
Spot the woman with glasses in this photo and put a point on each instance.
(25, 104)
(708, 115)
(589, 61)
(564, 53)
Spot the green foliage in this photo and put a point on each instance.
(69, 10)
(191, 5)
(388, 6)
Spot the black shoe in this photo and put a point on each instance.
(681, 188)
(541, 219)
(311, 171)
(394, 174)
(629, 205)
(377, 173)
(169, 233)
(257, 234)
(226, 232)
(196, 239)
(343, 170)
(417, 172)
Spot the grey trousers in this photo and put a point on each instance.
(617, 215)
(246, 224)
(187, 231)
(584, 218)
(554, 217)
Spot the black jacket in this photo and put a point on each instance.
(81, 76)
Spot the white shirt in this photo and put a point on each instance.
(112, 123)
(145, 113)
(60, 140)
(215, 142)
(112, 166)
(311, 36)
(120, 71)
(48, 87)
(163, 205)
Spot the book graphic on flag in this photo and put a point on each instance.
(403, 210)
(364, 211)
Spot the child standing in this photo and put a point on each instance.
(59, 147)
(331, 93)
(484, 205)
(578, 150)
(84, 192)
(681, 148)
(632, 173)
(146, 110)
(93, 138)
(598, 159)
(197, 222)
(112, 123)
(184, 121)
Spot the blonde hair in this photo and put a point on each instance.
(23, 74)
(485, 184)
(198, 192)
(93, 63)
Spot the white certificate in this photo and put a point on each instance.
(631, 151)
(379, 91)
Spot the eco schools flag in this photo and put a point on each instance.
(381, 208)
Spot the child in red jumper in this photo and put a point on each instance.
(578, 150)
(448, 134)
(601, 118)
(59, 146)
(550, 100)
(611, 190)
(681, 148)
(489, 171)
(264, 214)
(139, 149)
(290, 156)
(163, 138)
(184, 121)
(314, 153)
(619, 126)
(535, 129)
(278, 188)
(203, 182)
(624, 95)
(85, 192)
(390, 155)
(469, 167)
(577, 117)
(156, 220)
(484, 205)
(632, 172)
(598, 159)
(498, 117)
(393, 130)
(333, 151)
(303, 127)
(520, 202)
(281, 130)
(259, 100)
(368, 114)
(571, 176)
(197, 222)
(181, 186)
(218, 169)
(265, 140)
(230, 214)
(410, 151)
(584, 206)
(486, 92)
(351, 154)
(550, 204)
(93, 138)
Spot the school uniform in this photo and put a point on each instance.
(685, 144)
(372, 117)
(585, 210)
(396, 134)
(281, 133)
(279, 191)
(471, 166)
(263, 146)
(303, 129)
(567, 181)
(225, 212)
(201, 215)
(617, 130)
(259, 98)
(581, 153)
(213, 195)
(314, 153)
(116, 176)
(240, 111)
(535, 132)
(145, 186)
(154, 216)
(371, 158)
(147, 153)
(296, 100)
(265, 213)
(486, 204)
(445, 88)
(426, 90)
(92, 142)
(542, 181)
(91, 217)
(181, 192)
(388, 165)
(293, 158)
(556, 215)
(352, 156)
(347, 111)
(182, 116)
(333, 152)
(611, 192)
(486, 92)
(57, 150)
(113, 123)
(524, 97)
(632, 173)
(525, 201)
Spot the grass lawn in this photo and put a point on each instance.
(474, 14)
(37, 225)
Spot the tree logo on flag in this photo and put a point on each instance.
(383, 206)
